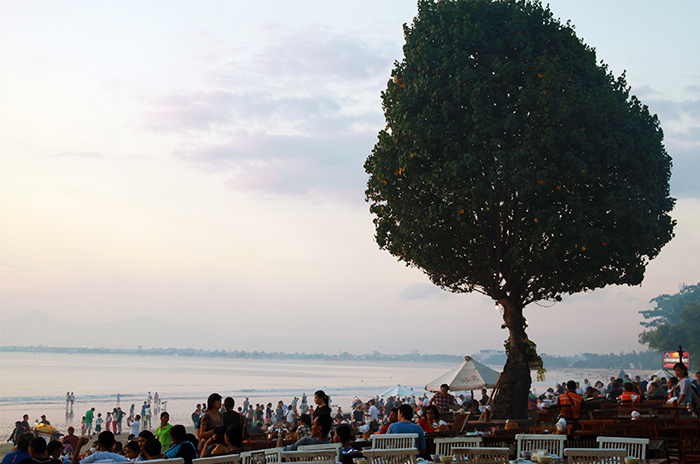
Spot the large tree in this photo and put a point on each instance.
(514, 165)
(674, 321)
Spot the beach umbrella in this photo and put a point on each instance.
(662, 373)
(469, 375)
(398, 390)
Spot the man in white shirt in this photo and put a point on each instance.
(134, 426)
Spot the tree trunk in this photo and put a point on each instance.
(510, 401)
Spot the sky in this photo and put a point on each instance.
(190, 174)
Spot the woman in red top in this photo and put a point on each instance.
(429, 422)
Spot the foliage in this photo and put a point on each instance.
(511, 163)
(668, 335)
(669, 307)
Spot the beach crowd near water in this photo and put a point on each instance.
(219, 427)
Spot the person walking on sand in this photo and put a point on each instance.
(72, 399)
(67, 399)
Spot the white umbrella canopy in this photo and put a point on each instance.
(398, 390)
(662, 373)
(470, 375)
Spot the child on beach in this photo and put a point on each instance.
(82, 427)
(98, 423)
(108, 421)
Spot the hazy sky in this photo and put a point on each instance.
(200, 163)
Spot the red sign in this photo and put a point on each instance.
(671, 358)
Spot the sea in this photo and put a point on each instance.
(37, 383)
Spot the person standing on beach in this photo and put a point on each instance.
(72, 399)
(134, 426)
(67, 399)
(119, 399)
(212, 418)
(163, 431)
(88, 420)
(147, 417)
(196, 416)
(117, 417)
(98, 423)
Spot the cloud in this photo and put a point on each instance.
(321, 53)
(423, 291)
(288, 165)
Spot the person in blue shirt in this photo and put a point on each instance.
(181, 447)
(404, 425)
(22, 451)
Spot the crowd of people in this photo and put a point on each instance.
(221, 428)
(576, 399)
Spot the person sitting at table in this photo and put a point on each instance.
(320, 428)
(655, 392)
(393, 418)
(616, 389)
(404, 425)
(342, 436)
(629, 396)
(429, 423)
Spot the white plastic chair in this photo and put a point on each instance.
(254, 457)
(594, 456)
(320, 455)
(391, 456)
(636, 447)
(443, 446)
(264, 456)
(224, 459)
(394, 440)
(338, 447)
(554, 444)
(481, 455)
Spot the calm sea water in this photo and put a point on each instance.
(36, 384)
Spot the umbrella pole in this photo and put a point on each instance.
(493, 393)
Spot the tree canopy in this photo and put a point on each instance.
(513, 164)
(675, 321)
